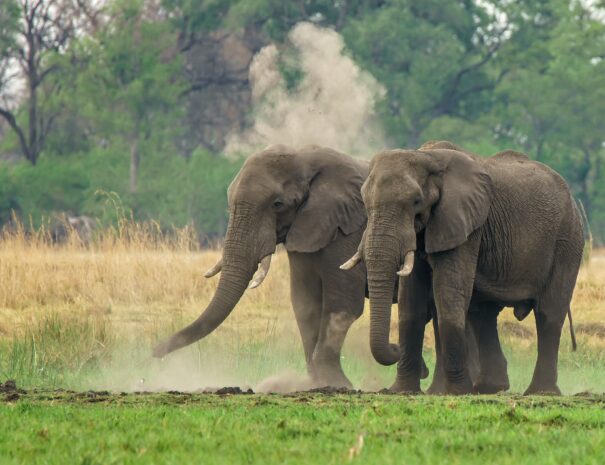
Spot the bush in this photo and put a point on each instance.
(173, 190)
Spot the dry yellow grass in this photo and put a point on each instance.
(145, 285)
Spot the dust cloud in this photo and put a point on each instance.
(333, 104)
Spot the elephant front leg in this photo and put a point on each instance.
(453, 279)
(414, 292)
(306, 297)
(326, 357)
(438, 383)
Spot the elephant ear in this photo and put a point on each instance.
(333, 203)
(464, 202)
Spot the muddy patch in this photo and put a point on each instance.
(10, 392)
(225, 391)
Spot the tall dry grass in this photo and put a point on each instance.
(133, 283)
(132, 274)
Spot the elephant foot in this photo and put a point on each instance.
(492, 383)
(436, 388)
(460, 388)
(331, 377)
(485, 387)
(542, 390)
(406, 387)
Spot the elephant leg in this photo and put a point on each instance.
(414, 293)
(343, 297)
(326, 357)
(453, 280)
(548, 327)
(306, 297)
(438, 384)
(492, 375)
(551, 309)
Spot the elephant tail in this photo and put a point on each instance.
(572, 333)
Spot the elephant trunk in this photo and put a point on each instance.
(381, 257)
(240, 260)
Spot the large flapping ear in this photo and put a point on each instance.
(464, 202)
(333, 203)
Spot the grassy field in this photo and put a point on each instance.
(84, 318)
(311, 428)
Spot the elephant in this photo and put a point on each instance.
(310, 201)
(477, 235)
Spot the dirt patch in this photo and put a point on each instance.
(228, 391)
(328, 390)
(515, 329)
(93, 396)
(10, 391)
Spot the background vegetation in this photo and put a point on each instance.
(136, 96)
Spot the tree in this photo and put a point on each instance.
(32, 33)
(130, 85)
(552, 101)
(434, 59)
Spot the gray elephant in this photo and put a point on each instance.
(482, 234)
(310, 201)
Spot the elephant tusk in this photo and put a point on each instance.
(408, 264)
(261, 273)
(215, 269)
(352, 262)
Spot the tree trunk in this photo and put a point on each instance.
(32, 153)
(134, 164)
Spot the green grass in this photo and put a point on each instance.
(47, 427)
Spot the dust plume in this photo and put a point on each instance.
(332, 103)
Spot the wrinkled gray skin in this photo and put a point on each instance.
(310, 201)
(486, 233)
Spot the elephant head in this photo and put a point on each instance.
(439, 196)
(297, 197)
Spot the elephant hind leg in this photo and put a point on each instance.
(548, 326)
(551, 310)
(493, 375)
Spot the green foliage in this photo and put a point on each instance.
(9, 14)
(527, 75)
(175, 191)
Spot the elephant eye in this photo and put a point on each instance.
(278, 204)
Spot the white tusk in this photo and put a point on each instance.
(408, 264)
(352, 262)
(215, 269)
(261, 273)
